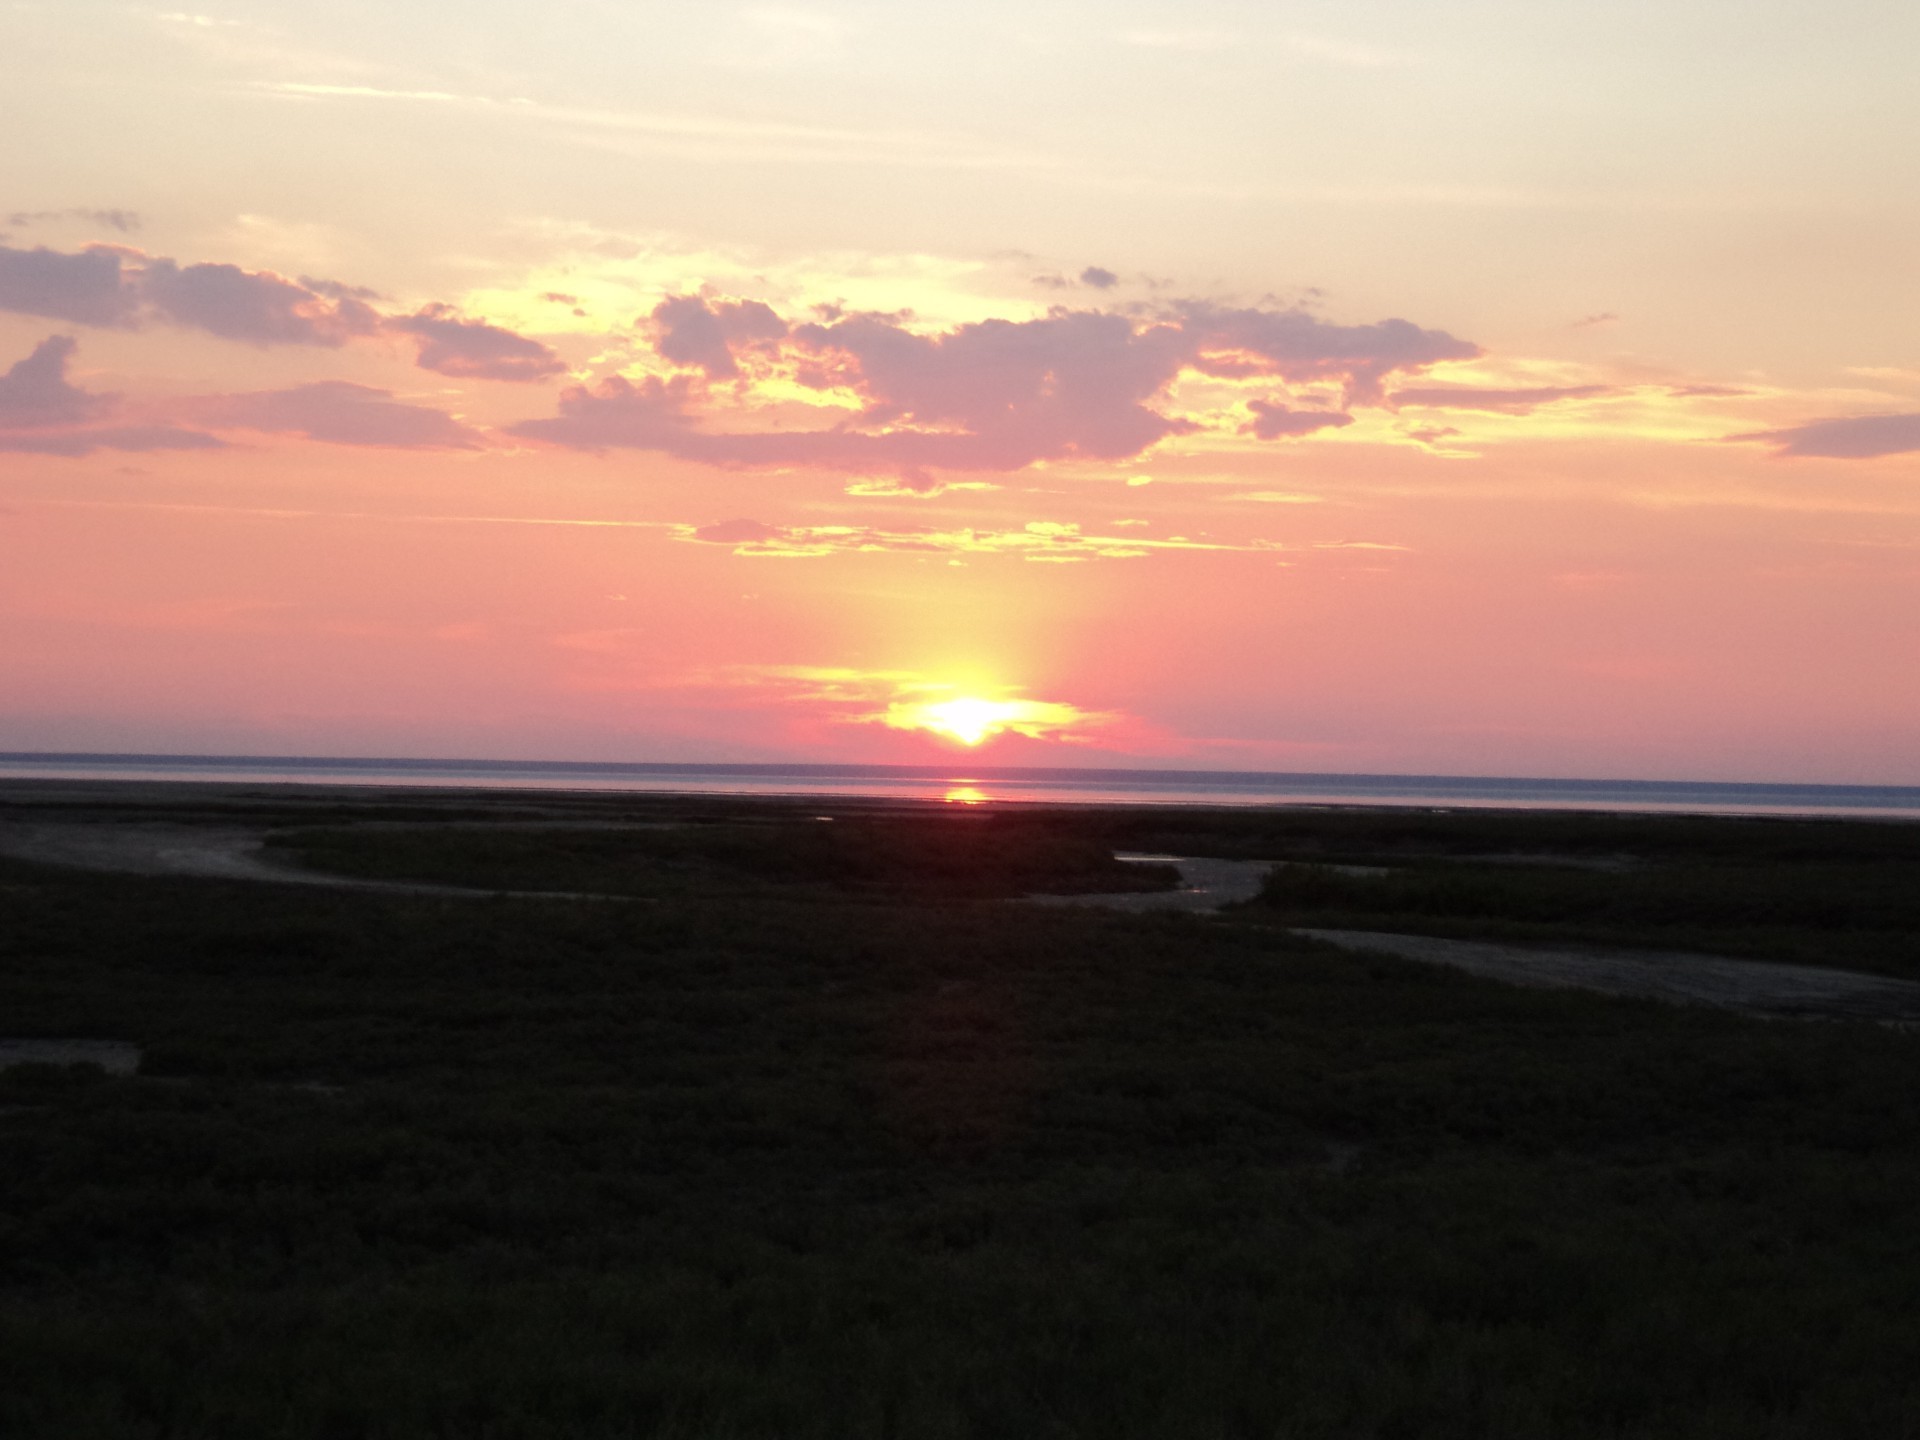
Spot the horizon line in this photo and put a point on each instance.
(854, 769)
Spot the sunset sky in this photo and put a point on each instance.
(1489, 388)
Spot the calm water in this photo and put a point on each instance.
(994, 783)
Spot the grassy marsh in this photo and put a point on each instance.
(806, 1154)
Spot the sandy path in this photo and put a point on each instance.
(1753, 987)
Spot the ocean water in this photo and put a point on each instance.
(995, 784)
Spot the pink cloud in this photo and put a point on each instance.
(257, 307)
(44, 413)
(475, 349)
(87, 288)
(1300, 347)
(35, 392)
(690, 331)
(991, 395)
(117, 286)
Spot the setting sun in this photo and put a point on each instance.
(967, 720)
(972, 721)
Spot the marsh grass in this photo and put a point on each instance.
(929, 855)
(808, 1159)
(1851, 913)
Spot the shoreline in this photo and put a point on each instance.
(960, 795)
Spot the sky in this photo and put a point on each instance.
(1493, 388)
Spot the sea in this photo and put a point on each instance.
(977, 785)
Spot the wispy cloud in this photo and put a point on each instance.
(706, 137)
(1040, 540)
(125, 221)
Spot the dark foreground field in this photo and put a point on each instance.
(821, 1137)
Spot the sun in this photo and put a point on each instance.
(967, 719)
(971, 720)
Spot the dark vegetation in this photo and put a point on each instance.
(1843, 894)
(951, 856)
(831, 1150)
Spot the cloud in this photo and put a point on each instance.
(258, 307)
(992, 395)
(140, 438)
(125, 221)
(43, 413)
(116, 286)
(475, 349)
(689, 331)
(1516, 401)
(1099, 278)
(87, 288)
(1300, 347)
(35, 392)
(1039, 540)
(341, 413)
(1275, 422)
(1858, 437)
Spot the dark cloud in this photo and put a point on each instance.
(139, 438)
(35, 392)
(1858, 437)
(1512, 402)
(689, 331)
(451, 345)
(1000, 394)
(1098, 278)
(256, 306)
(1300, 347)
(117, 286)
(993, 395)
(341, 413)
(87, 288)
(125, 221)
(1282, 422)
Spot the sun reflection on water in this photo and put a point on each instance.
(966, 795)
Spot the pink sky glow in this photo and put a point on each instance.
(1336, 390)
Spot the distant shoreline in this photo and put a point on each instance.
(968, 784)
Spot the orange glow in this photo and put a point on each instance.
(966, 795)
